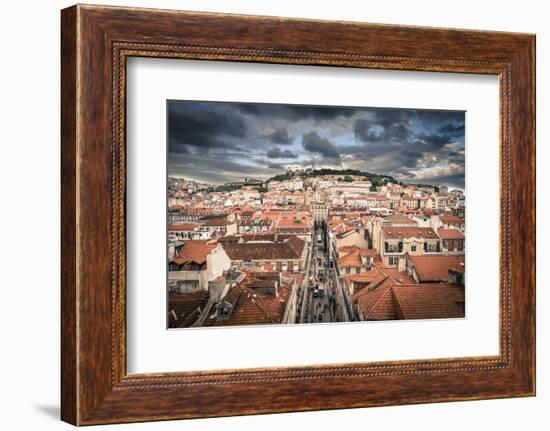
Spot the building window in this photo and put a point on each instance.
(432, 247)
(413, 247)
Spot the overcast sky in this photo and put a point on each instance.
(218, 142)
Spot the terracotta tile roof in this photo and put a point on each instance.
(430, 301)
(254, 283)
(347, 249)
(366, 277)
(293, 222)
(399, 276)
(451, 219)
(362, 251)
(251, 307)
(291, 248)
(296, 244)
(450, 234)
(394, 232)
(391, 301)
(436, 268)
(183, 308)
(194, 251)
(377, 304)
(353, 258)
(399, 219)
(217, 222)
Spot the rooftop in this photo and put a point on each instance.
(354, 255)
(290, 248)
(450, 234)
(251, 307)
(185, 308)
(391, 301)
(436, 268)
(451, 219)
(394, 232)
(194, 252)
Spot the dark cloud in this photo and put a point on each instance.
(277, 153)
(204, 125)
(431, 142)
(452, 180)
(454, 130)
(279, 136)
(409, 157)
(296, 112)
(437, 117)
(407, 136)
(227, 141)
(314, 143)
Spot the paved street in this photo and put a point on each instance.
(320, 297)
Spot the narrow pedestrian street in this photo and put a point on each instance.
(320, 299)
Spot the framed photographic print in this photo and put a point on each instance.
(324, 214)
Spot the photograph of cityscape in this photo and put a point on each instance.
(295, 214)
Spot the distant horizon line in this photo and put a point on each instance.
(179, 176)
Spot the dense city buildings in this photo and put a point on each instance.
(313, 245)
(289, 213)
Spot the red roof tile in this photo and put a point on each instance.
(291, 248)
(217, 222)
(194, 252)
(377, 304)
(430, 301)
(251, 307)
(436, 268)
(399, 219)
(451, 219)
(353, 258)
(394, 232)
(391, 301)
(450, 234)
(184, 308)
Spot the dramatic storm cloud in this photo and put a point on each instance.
(277, 153)
(218, 142)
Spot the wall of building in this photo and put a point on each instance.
(217, 262)
(356, 238)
